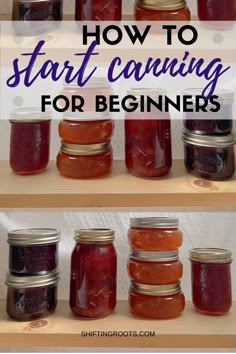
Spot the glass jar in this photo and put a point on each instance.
(148, 139)
(31, 298)
(155, 234)
(33, 251)
(155, 268)
(37, 10)
(93, 274)
(210, 157)
(86, 128)
(30, 140)
(210, 123)
(211, 280)
(217, 14)
(158, 302)
(85, 161)
(94, 87)
(99, 10)
(161, 10)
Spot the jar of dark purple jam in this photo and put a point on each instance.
(33, 251)
(31, 298)
(210, 122)
(210, 157)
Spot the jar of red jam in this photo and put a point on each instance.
(217, 14)
(99, 10)
(155, 234)
(210, 123)
(31, 298)
(147, 139)
(210, 157)
(33, 251)
(30, 140)
(93, 274)
(158, 302)
(85, 161)
(211, 280)
(86, 128)
(155, 268)
(161, 10)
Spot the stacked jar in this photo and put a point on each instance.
(154, 268)
(33, 273)
(86, 150)
(208, 137)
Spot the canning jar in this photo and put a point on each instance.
(86, 128)
(99, 10)
(148, 139)
(158, 302)
(155, 268)
(210, 123)
(30, 140)
(211, 280)
(217, 14)
(155, 234)
(93, 274)
(210, 157)
(31, 298)
(37, 10)
(161, 10)
(95, 86)
(33, 251)
(85, 161)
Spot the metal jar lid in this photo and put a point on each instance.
(162, 4)
(156, 290)
(225, 96)
(93, 82)
(95, 235)
(30, 115)
(154, 223)
(222, 141)
(151, 92)
(210, 255)
(159, 257)
(32, 237)
(81, 150)
(86, 116)
(32, 281)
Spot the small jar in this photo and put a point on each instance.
(85, 161)
(148, 138)
(31, 298)
(99, 10)
(93, 274)
(155, 234)
(217, 14)
(155, 268)
(211, 280)
(30, 140)
(95, 86)
(210, 157)
(161, 10)
(210, 123)
(158, 302)
(33, 251)
(86, 128)
(37, 10)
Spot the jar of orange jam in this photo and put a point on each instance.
(86, 128)
(155, 234)
(158, 302)
(85, 161)
(161, 10)
(155, 268)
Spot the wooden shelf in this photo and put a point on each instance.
(120, 189)
(191, 330)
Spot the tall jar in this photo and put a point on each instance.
(30, 140)
(93, 274)
(211, 280)
(99, 10)
(148, 138)
(217, 14)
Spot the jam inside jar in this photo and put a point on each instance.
(156, 301)
(30, 140)
(93, 274)
(37, 10)
(155, 234)
(217, 14)
(211, 280)
(99, 10)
